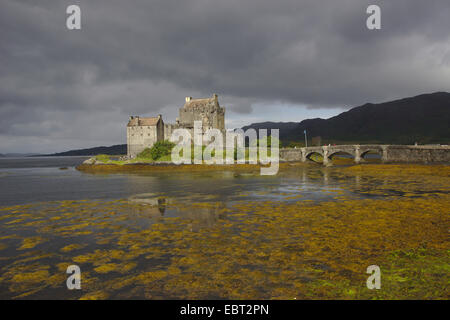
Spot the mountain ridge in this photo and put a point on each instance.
(117, 149)
(423, 119)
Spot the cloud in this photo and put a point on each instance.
(143, 57)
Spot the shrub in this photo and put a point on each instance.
(144, 154)
(158, 150)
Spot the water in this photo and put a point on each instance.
(40, 162)
(39, 179)
(302, 233)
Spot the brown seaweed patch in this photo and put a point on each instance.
(29, 243)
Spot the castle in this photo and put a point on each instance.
(144, 132)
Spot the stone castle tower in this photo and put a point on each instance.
(208, 111)
(144, 132)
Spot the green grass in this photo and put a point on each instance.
(102, 157)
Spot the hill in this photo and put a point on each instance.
(18, 155)
(119, 149)
(423, 119)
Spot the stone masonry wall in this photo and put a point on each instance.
(141, 137)
(421, 154)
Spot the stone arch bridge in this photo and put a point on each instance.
(388, 153)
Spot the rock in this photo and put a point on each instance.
(89, 161)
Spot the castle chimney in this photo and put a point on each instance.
(215, 96)
(188, 99)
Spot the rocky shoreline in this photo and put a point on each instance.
(93, 165)
(126, 162)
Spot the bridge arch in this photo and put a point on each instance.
(376, 151)
(344, 155)
(314, 155)
(309, 153)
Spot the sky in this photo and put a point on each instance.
(284, 60)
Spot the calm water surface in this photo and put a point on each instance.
(38, 179)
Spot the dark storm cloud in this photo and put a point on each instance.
(75, 88)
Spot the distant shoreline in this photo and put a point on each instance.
(42, 156)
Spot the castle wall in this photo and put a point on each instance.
(168, 129)
(219, 120)
(211, 116)
(160, 131)
(141, 137)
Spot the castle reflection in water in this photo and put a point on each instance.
(147, 205)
